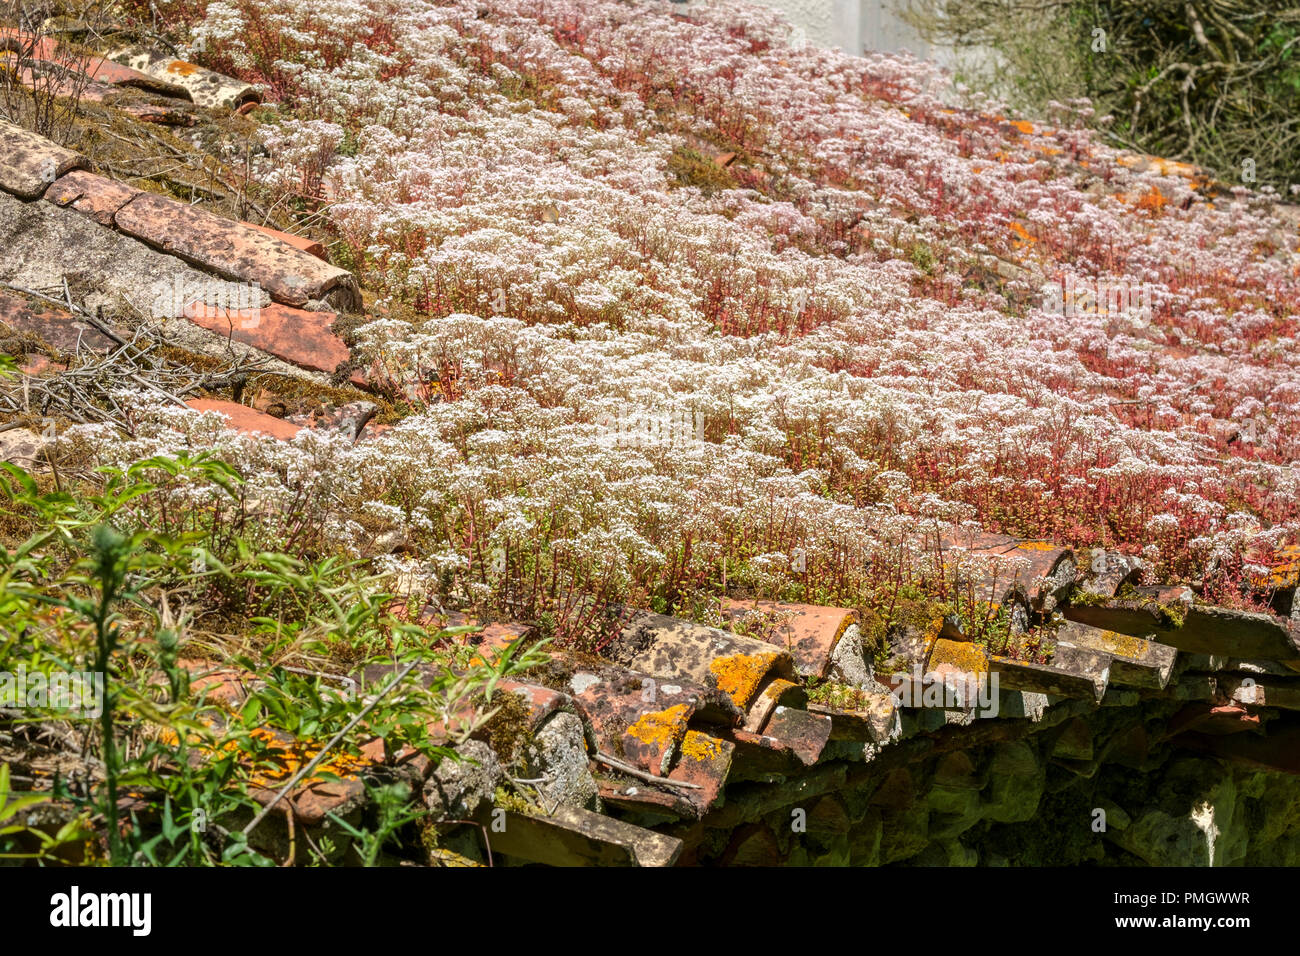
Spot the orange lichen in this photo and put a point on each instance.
(1036, 546)
(964, 656)
(1153, 201)
(182, 68)
(661, 728)
(1023, 238)
(1285, 572)
(739, 674)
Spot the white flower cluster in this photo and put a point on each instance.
(851, 308)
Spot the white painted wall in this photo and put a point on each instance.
(852, 25)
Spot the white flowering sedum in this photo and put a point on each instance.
(852, 380)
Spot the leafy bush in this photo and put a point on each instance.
(97, 588)
(1216, 83)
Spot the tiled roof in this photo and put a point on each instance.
(306, 291)
(686, 742)
(693, 739)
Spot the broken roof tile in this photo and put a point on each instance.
(309, 246)
(69, 60)
(809, 632)
(1135, 661)
(667, 647)
(1170, 616)
(804, 732)
(1105, 572)
(660, 804)
(877, 720)
(758, 756)
(1041, 571)
(574, 837)
(108, 71)
(55, 327)
(206, 87)
(778, 692)
(96, 196)
(633, 717)
(1073, 672)
(1260, 691)
(705, 761)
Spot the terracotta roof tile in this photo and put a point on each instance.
(1073, 672)
(244, 419)
(777, 693)
(97, 197)
(206, 87)
(310, 246)
(1173, 618)
(703, 760)
(55, 327)
(667, 647)
(877, 721)
(108, 71)
(758, 756)
(1135, 661)
(295, 335)
(236, 251)
(1041, 571)
(628, 726)
(810, 633)
(29, 163)
(804, 732)
(574, 837)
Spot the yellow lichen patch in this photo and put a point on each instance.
(700, 746)
(933, 628)
(292, 759)
(966, 657)
(661, 728)
(740, 674)
(283, 760)
(1125, 645)
(850, 618)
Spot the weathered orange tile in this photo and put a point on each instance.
(807, 631)
(295, 335)
(97, 197)
(106, 71)
(55, 327)
(298, 242)
(236, 251)
(29, 163)
(244, 419)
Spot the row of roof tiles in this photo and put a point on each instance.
(680, 710)
(304, 289)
